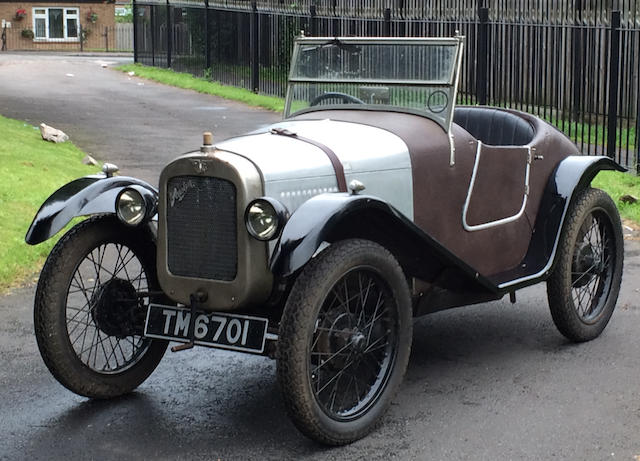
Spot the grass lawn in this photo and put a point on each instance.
(201, 85)
(619, 184)
(31, 169)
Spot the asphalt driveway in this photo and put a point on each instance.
(489, 382)
(136, 124)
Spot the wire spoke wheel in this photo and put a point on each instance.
(90, 307)
(583, 288)
(592, 268)
(105, 310)
(344, 342)
(353, 345)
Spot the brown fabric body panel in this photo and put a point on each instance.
(335, 161)
(498, 192)
(439, 191)
(439, 200)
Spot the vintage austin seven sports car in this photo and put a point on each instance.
(316, 240)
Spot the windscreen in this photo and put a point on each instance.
(417, 74)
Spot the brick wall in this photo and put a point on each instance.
(95, 31)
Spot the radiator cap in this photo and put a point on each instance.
(207, 142)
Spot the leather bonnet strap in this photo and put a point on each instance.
(335, 161)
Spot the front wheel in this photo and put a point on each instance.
(345, 339)
(584, 286)
(90, 307)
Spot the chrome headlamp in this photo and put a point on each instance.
(131, 207)
(265, 218)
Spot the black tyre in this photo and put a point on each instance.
(345, 339)
(584, 286)
(90, 306)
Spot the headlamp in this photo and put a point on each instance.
(265, 218)
(130, 207)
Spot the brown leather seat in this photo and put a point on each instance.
(494, 126)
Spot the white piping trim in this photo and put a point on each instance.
(452, 147)
(499, 222)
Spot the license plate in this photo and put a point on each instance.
(225, 331)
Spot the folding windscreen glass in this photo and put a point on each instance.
(411, 74)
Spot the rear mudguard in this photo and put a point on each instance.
(85, 196)
(332, 217)
(571, 176)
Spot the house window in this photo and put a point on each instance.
(57, 24)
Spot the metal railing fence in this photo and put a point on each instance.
(573, 62)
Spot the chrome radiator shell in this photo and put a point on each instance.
(253, 280)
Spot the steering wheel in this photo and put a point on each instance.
(346, 98)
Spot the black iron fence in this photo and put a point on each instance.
(575, 63)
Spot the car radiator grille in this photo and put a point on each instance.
(201, 228)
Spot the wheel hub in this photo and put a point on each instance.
(584, 265)
(113, 307)
(358, 342)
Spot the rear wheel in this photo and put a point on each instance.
(90, 307)
(584, 286)
(345, 339)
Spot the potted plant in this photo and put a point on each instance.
(20, 14)
(27, 33)
(92, 17)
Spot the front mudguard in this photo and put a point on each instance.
(85, 196)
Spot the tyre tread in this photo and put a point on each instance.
(297, 315)
(560, 301)
(53, 349)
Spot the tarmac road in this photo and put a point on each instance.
(489, 382)
(136, 124)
